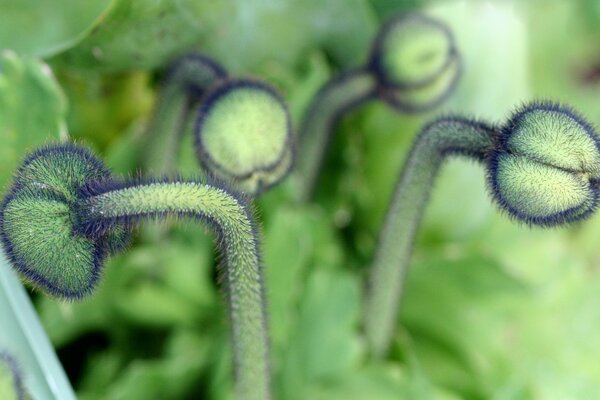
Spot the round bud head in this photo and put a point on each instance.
(428, 96)
(37, 221)
(411, 50)
(11, 382)
(546, 166)
(243, 135)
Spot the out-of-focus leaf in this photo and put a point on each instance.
(169, 377)
(561, 64)
(552, 329)
(148, 379)
(141, 34)
(491, 37)
(104, 108)
(44, 28)
(123, 154)
(387, 8)
(287, 249)
(379, 383)
(324, 345)
(348, 42)
(32, 110)
(242, 35)
(100, 372)
(302, 90)
(154, 305)
(454, 312)
(188, 271)
(590, 11)
(176, 289)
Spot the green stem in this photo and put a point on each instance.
(447, 136)
(166, 131)
(348, 91)
(188, 79)
(24, 337)
(237, 237)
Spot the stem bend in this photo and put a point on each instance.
(444, 137)
(104, 206)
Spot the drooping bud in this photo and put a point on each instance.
(546, 166)
(243, 135)
(37, 222)
(411, 50)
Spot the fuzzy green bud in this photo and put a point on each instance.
(428, 96)
(243, 135)
(411, 50)
(546, 166)
(37, 217)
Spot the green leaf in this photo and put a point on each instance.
(175, 286)
(453, 311)
(23, 335)
(379, 383)
(325, 344)
(141, 34)
(32, 109)
(241, 35)
(153, 305)
(289, 29)
(287, 242)
(44, 28)
(168, 377)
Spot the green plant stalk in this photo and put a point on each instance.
(243, 273)
(450, 136)
(188, 79)
(348, 91)
(23, 335)
(166, 131)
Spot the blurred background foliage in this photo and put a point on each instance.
(493, 309)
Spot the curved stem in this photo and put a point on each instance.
(237, 238)
(338, 96)
(184, 85)
(446, 136)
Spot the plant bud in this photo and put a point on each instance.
(37, 222)
(243, 135)
(411, 51)
(546, 166)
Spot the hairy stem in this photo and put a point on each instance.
(347, 91)
(446, 136)
(188, 79)
(238, 240)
